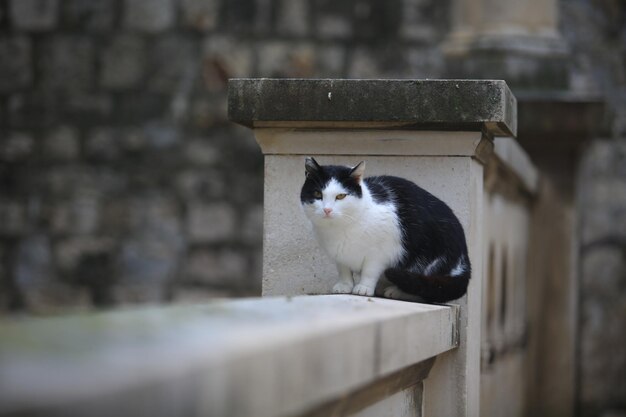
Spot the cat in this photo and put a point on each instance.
(385, 225)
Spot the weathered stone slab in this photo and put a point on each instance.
(468, 105)
(261, 357)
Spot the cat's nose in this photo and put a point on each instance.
(328, 210)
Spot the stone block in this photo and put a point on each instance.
(102, 144)
(28, 110)
(154, 212)
(201, 15)
(123, 62)
(252, 227)
(604, 158)
(200, 184)
(210, 223)
(396, 62)
(605, 194)
(87, 109)
(62, 143)
(61, 179)
(34, 263)
(68, 252)
(135, 108)
(13, 221)
(375, 20)
(209, 111)
(597, 224)
(225, 268)
(79, 215)
(330, 61)
(114, 216)
(469, 105)
(224, 57)
(256, 272)
(603, 359)
(34, 15)
(16, 146)
(132, 140)
(201, 152)
(245, 187)
(149, 260)
(364, 63)
(150, 16)
(89, 15)
(423, 20)
(425, 62)
(293, 17)
(264, 22)
(174, 65)
(151, 253)
(161, 135)
(67, 63)
(334, 19)
(602, 271)
(239, 16)
(16, 70)
(4, 119)
(284, 59)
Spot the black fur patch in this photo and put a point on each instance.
(317, 180)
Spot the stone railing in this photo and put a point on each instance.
(317, 355)
(260, 357)
(510, 189)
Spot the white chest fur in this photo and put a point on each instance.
(370, 234)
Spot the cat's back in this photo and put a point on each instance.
(390, 189)
(411, 201)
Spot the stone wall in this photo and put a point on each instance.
(603, 278)
(120, 179)
(596, 33)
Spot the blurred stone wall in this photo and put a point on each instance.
(596, 33)
(602, 363)
(121, 180)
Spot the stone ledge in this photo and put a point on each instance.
(510, 153)
(467, 105)
(261, 357)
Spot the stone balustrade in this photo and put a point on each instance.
(256, 357)
(298, 354)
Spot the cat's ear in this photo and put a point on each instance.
(311, 166)
(358, 171)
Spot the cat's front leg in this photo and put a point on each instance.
(345, 283)
(369, 278)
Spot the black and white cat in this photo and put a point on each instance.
(387, 226)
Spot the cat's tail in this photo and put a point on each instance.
(434, 289)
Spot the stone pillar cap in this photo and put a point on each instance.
(457, 105)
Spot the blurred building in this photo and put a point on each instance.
(121, 180)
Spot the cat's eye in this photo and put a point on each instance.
(317, 194)
(340, 196)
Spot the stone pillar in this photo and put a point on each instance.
(435, 133)
(525, 24)
(516, 40)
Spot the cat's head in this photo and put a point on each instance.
(331, 193)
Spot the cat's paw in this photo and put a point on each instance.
(342, 288)
(396, 293)
(361, 289)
